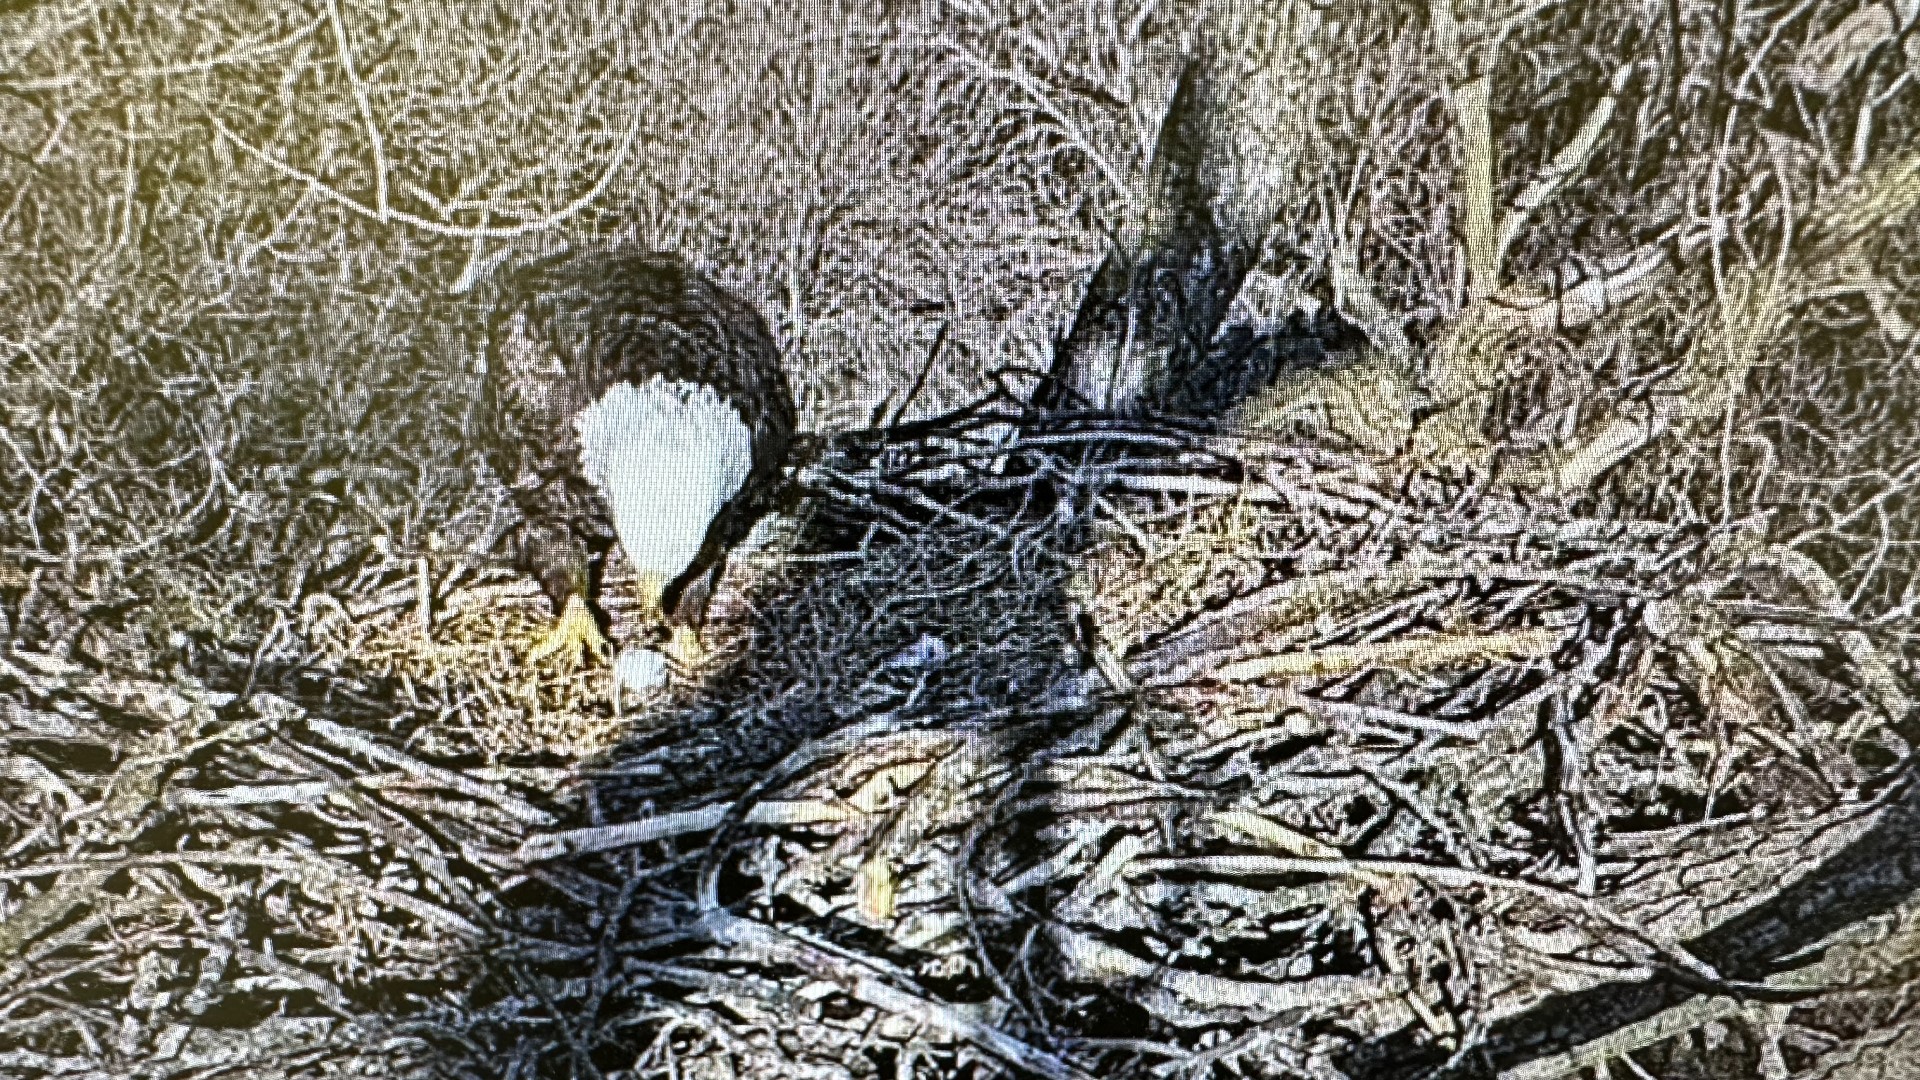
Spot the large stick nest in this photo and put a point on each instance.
(1075, 748)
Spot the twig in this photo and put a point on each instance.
(353, 741)
(749, 939)
(628, 834)
(491, 232)
(1415, 654)
(374, 139)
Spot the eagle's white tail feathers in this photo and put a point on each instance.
(666, 456)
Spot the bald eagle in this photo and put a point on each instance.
(631, 400)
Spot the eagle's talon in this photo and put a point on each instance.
(684, 651)
(575, 631)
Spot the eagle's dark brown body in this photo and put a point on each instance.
(568, 329)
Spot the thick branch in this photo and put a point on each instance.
(1159, 297)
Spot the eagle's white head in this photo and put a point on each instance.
(666, 456)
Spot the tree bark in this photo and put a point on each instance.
(1161, 294)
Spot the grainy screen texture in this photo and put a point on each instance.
(907, 539)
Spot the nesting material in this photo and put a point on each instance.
(480, 642)
(1259, 741)
(1379, 753)
(476, 651)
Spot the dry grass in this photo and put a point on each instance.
(1057, 745)
(481, 638)
(479, 632)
